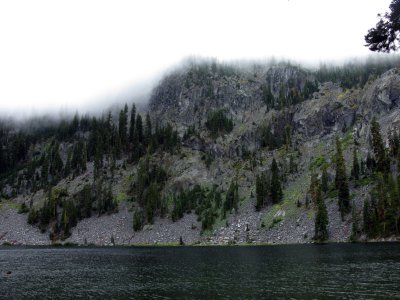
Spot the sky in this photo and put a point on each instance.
(82, 55)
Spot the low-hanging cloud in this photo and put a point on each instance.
(59, 57)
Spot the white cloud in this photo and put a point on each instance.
(70, 54)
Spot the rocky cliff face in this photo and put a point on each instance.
(187, 96)
(276, 96)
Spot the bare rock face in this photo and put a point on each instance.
(382, 96)
(380, 99)
(187, 96)
(316, 120)
(329, 112)
(292, 76)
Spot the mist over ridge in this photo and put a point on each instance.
(141, 92)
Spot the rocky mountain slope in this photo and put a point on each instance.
(262, 113)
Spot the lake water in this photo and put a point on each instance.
(337, 271)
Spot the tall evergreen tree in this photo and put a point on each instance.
(56, 163)
(262, 190)
(324, 180)
(259, 193)
(355, 227)
(382, 164)
(232, 197)
(123, 123)
(394, 143)
(321, 218)
(147, 130)
(355, 171)
(78, 160)
(139, 129)
(67, 168)
(341, 180)
(116, 144)
(378, 147)
(138, 219)
(152, 200)
(276, 188)
(45, 169)
(315, 189)
(132, 124)
(97, 165)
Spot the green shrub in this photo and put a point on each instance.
(23, 209)
(138, 219)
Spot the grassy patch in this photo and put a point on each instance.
(364, 181)
(282, 152)
(317, 162)
(242, 128)
(127, 182)
(332, 193)
(347, 140)
(12, 205)
(295, 192)
(276, 221)
(121, 197)
(237, 165)
(269, 216)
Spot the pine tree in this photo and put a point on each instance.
(307, 201)
(67, 168)
(116, 143)
(78, 160)
(98, 163)
(138, 219)
(139, 130)
(292, 165)
(355, 171)
(324, 180)
(355, 228)
(74, 126)
(263, 184)
(232, 197)
(65, 220)
(122, 128)
(370, 162)
(341, 180)
(378, 147)
(147, 130)
(45, 169)
(57, 163)
(394, 143)
(275, 188)
(260, 193)
(152, 199)
(362, 167)
(321, 218)
(370, 218)
(132, 124)
(267, 97)
(315, 189)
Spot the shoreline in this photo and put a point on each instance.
(196, 245)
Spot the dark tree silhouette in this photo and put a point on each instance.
(385, 36)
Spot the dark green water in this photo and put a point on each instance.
(342, 271)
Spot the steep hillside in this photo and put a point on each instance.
(224, 155)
